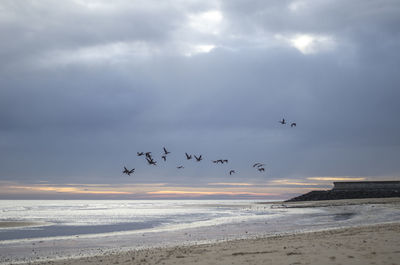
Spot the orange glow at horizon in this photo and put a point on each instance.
(158, 190)
(335, 178)
(293, 182)
(181, 192)
(231, 184)
(69, 190)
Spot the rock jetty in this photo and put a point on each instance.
(353, 190)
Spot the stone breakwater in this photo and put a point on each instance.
(354, 190)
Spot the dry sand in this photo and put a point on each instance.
(377, 244)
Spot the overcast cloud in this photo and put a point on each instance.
(85, 84)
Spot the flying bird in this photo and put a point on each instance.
(128, 172)
(164, 157)
(180, 167)
(293, 124)
(256, 164)
(232, 172)
(165, 151)
(188, 157)
(283, 121)
(198, 159)
(151, 161)
(261, 169)
(140, 153)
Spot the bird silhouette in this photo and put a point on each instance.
(151, 161)
(293, 124)
(128, 172)
(165, 151)
(283, 121)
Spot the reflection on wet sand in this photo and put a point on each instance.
(12, 224)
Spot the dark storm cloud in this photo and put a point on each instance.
(46, 25)
(86, 84)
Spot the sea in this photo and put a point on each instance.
(56, 229)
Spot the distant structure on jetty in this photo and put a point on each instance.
(353, 190)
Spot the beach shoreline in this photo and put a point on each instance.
(371, 244)
(337, 233)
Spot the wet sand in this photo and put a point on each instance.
(12, 224)
(375, 244)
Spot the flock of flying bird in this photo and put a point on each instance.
(150, 160)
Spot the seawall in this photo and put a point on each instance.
(354, 190)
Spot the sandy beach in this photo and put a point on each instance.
(377, 244)
(370, 244)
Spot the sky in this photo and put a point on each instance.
(85, 84)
